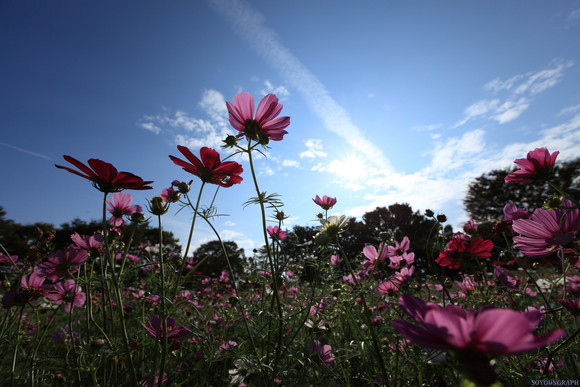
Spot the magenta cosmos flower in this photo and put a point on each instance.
(61, 264)
(262, 127)
(460, 249)
(32, 287)
(276, 233)
(474, 337)
(155, 328)
(547, 231)
(105, 176)
(67, 293)
(120, 206)
(210, 169)
(537, 165)
(325, 202)
(324, 353)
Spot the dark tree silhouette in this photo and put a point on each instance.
(488, 193)
(215, 259)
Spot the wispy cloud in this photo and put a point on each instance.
(251, 27)
(192, 131)
(513, 96)
(28, 152)
(314, 149)
(573, 18)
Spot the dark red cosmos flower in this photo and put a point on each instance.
(105, 176)
(210, 169)
(460, 250)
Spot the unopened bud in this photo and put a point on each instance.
(230, 141)
(429, 213)
(441, 218)
(157, 206)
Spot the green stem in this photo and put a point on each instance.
(260, 196)
(366, 314)
(118, 296)
(184, 259)
(163, 307)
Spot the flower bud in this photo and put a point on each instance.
(182, 186)
(230, 141)
(441, 218)
(157, 206)
(553, 203)
(138, 217)
(429, 213)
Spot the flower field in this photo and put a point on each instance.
(105, 312)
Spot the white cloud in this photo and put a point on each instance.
(516, 94)
(315, 149)
(16, 148)
(250, 26)
(150, 126)
(290, 163)
(569, 110)
(573, 17)
(191, 131)
(279, 91)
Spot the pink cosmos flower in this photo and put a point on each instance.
(512, 212)
(69, 293)
(324, 352)
(572, 305)
(13, 260)
(537, 165)
(119, 206)
(174, 333)
(60, 264)
(210, 169)
(90, 244)
(276, 233)
(325, 202)
(504, 278)
(335, 259)
(399, 248)
(170, 195)
(32, 287)
(474, 336)
(547, 231)
(398, 261)
(105, 176)
(460, 250)
(372, 255)
(388, 287)
(264, 126)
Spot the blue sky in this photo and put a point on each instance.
(389, 101)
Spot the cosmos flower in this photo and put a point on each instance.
(400, 247)
(262, 127)
(61, 264)
(460, 249)
(210, 169)
(547, 231)
(324, 353)
(537, 165)
(155, 328)
(372, 255)
(105, 176)
(325, 202)
(276, 233)
(119, 206)
(32, 287)
(474, 337)
(67, 293)
(90, 244)
(511, 212)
